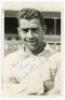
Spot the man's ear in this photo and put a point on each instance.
(45, 28)
(18, 29)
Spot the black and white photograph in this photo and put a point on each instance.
(32, 49)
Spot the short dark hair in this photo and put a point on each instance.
(28, 13)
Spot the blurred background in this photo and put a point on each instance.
(52, 24)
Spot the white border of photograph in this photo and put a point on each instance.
(62, 46)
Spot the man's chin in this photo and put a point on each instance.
(33, 48)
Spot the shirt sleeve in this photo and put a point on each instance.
(52, 66)
(55, 65)
(55, 73)
(10, 85)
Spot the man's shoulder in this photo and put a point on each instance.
(55, 60)
(15, 54)
(12, 55)
(53, 53)
(56, 55)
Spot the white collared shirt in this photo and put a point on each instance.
(24, 74)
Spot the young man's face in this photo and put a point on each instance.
(31, 33)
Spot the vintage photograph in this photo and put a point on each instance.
(32, 49)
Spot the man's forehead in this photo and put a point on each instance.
(29, 23)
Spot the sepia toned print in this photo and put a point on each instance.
(32, 51)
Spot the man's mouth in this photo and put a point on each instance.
(32, 42)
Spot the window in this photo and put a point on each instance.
(49, 22)
(10, 25)
(58, 27)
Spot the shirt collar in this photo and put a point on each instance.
(46, 52)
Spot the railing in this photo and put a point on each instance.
(47, 38)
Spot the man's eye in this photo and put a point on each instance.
(25, 30)
(34, 29)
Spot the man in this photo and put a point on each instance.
(32, 69)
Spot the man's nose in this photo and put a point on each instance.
(30, 34)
